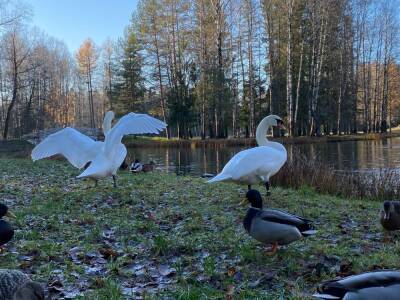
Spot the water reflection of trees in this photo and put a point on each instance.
(349, 155)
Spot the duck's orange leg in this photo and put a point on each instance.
(386, 237)
(273, 249)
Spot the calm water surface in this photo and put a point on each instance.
(349, 155)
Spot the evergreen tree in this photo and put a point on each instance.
(129, 89)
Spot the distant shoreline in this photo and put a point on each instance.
(19, 145)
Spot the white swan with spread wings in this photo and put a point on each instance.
(105, 157)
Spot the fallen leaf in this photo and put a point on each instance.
(108, 252)
(231, 271)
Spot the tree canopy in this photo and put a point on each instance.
(213, 68)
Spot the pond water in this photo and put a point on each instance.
(342, 156)
(348, 156)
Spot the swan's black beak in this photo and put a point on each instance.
(280, 125)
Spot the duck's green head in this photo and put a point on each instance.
(387, 209)
(5, 212)
(255, 199)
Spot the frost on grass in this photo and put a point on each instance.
(162, 236)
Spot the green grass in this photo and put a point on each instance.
(162, 236)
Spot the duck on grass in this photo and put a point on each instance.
(153, 237)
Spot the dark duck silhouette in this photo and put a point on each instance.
(6, 230)
(366, 286)
(272, 226)
(390, 215)
(148, 167)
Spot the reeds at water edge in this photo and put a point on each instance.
(302, 171)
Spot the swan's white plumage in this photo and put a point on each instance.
(132, 123)
(252, 165)
(108, 117)
(255, 164)
(76, 147)
(105, 157)
(102, 166)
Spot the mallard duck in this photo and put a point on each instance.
(148, 167)
(256, 164)
(6, 230)
(390, 215)
(367, 286)
(272, 226)
(136, 166)
(17, 286)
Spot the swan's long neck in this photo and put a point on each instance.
(109, 116)
(262, 129)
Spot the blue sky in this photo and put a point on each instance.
(75, 20)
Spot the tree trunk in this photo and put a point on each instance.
(160, 83)
(15, 65)
(315, 93)
(298, 86)
(251, 70)
(12, 103)
(273, 89)
(289, 99)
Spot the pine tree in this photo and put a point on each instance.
(128, 90)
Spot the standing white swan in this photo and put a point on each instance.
(259, 163)
(105, 157)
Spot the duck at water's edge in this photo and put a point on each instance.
(148, 167)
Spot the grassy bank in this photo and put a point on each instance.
(163, 236)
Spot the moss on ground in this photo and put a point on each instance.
(161, 236)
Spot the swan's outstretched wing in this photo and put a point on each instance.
(76, 147)
(132, 123)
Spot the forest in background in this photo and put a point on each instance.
(211, 68)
